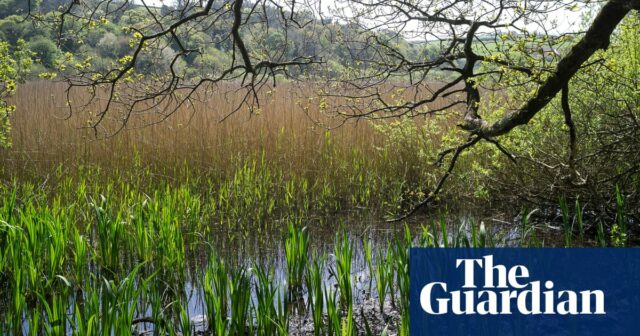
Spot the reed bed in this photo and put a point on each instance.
(286, 148)
(44, 134)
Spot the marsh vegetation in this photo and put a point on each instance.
(268, 225)
(200, 169)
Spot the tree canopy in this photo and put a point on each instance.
(14, 66)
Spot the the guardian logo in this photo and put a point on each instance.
(504, 292)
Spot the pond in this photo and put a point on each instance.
(359, 263)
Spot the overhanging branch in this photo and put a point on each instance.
(596, 38)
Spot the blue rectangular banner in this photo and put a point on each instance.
(520, 291)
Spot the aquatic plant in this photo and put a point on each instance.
(271, 313)
(579, 219)
(315, 293)
(343, 253)
(334, 319)
(215, 287)
(240, 299)
(296, 248)
(384, 274)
